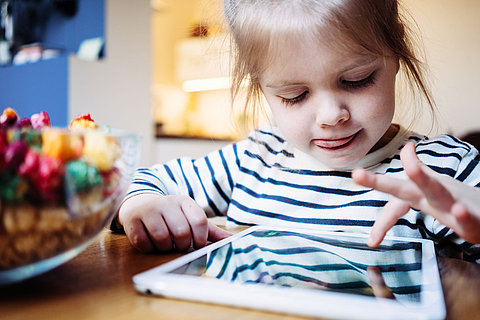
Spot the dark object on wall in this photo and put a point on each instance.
(30, 17)
(473, 138)
(67, 7)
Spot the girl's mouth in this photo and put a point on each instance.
(334, 144)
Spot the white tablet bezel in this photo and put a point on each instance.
(299, 301)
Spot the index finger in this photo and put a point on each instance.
(402, 189)
(388, 217)
(197, 219)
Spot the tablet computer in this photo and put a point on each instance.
(307, 272)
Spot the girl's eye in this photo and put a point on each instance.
(294, 100)
(365, 82)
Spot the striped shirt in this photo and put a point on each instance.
(263, 180)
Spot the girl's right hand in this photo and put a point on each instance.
(453, 203)
(163, 223)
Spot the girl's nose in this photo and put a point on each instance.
(331, 111)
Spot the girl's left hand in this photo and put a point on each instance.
(453, 203)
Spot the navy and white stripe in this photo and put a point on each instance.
(263, 180)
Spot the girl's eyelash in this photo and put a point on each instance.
(294, 100)
(365, 82)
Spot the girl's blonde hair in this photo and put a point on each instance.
(258, 28)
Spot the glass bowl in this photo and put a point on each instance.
(58, 189)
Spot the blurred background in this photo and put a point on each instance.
(159, 68)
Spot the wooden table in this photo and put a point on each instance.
(97, 285)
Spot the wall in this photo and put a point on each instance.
(452, 40)
(116, 90)
(34, 87)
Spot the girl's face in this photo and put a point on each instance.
(335, 106)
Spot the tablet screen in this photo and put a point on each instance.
(332, 261)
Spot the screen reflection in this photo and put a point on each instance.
(327, 262)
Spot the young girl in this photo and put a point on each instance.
(328, 71)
